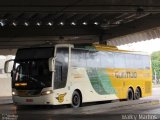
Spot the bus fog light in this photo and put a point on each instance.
(14, 93)
(47, 92)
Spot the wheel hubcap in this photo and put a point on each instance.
(75, 100)
(137, 94)
(130, 96)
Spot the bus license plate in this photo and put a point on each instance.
(29, 100)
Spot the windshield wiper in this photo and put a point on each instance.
(33, 79)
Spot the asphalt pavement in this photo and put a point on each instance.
(144, 109)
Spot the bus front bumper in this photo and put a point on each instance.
(37, 100)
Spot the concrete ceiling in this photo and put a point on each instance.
(136, 37)
(28, 23)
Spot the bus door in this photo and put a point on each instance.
(61, 67)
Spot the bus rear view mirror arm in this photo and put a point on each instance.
(8, 66)
(51, 64)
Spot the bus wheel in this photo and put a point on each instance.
(137, 93)
(130, 94)
(76, 99)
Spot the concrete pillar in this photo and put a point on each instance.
(5, 79)
(5, 85)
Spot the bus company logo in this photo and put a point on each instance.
(125, 74)
(60, 97)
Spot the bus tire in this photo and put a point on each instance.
(130, 94)
(76, 99)
(137, 93)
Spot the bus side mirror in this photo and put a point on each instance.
(51, 64)
(8, 66)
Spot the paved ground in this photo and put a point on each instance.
(144, 109)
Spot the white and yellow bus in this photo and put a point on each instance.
(65, 74)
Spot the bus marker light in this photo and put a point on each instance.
(20, 84)
(17, 84)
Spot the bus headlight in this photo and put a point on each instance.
(47, 92)
(14, 93)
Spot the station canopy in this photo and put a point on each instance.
(29, 23)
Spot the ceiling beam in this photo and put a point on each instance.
(32, 31)
(80, 8)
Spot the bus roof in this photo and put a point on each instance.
(115, 49)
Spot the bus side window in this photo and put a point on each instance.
(107, 59)
(119, 60)
(93, 59)
(145, 62)
(78, 58)
(61, 67)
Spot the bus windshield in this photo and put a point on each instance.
(31, 74)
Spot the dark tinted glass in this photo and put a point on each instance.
(34, 53)
(61, 67)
